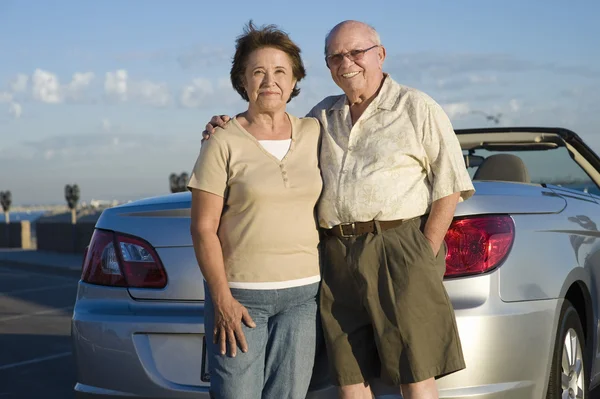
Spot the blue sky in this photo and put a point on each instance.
(113, 95)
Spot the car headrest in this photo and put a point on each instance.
(503, 167)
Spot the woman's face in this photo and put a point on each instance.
(269, 79)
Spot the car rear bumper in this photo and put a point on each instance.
(141, 349)
(127, 349)
(507, 349)
(88, 392)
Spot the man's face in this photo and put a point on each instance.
(363, 73)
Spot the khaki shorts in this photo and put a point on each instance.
(385, 310)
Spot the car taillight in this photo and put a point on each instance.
(478, 244)
(122, 261)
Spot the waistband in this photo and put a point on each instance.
(348, 230)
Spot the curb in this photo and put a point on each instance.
(30, 266)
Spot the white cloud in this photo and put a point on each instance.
(514, 105)
(155, 94)
(118, 86)
(19, 83)
(15, 109)
(94, 147)
(106, 125)
(46, 87)
(459, 82)
(79, 83)
(196, 93)
(455, 110)
(5, 97)
(115, 85)
(440, 65)
(483, 79)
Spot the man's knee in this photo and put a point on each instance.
(426, 389)
(355, 391)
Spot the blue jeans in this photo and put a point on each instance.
(281, 348)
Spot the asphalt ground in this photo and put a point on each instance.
(35, 345)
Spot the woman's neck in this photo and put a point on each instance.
(266, 125)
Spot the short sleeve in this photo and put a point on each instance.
(210, 172)
(447, 166)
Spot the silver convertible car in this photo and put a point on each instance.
(522, 271)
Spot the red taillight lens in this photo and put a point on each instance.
(122, 261)
(141, 265)
(478, 244)
(101, 264)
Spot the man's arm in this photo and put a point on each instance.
(448, 175)
(438, 222)
(221, 121)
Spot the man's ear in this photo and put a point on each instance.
(381, 53)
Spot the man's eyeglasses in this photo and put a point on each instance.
(353, 55)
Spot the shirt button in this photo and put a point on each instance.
(351, 148)
(284, 173)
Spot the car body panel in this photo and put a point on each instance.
(155, 216)
(147, 343)
(185, 277)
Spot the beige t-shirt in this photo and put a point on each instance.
(399, 157)
(268, 228)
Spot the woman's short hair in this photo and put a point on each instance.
(253, 39)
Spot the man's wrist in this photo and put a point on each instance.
(434, 246)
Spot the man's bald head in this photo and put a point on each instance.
(340, 28)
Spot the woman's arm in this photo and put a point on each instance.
(229, 313)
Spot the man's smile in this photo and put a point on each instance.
(349, 75)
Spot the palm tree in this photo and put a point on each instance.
(178, 183)
(6, 201)
(72, 195)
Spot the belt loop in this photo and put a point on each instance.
(377, 226)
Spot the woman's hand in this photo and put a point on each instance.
(229, 315)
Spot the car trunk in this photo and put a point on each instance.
(164, 222)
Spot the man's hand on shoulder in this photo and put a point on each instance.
(215, 122)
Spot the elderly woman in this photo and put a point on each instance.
(254, 192)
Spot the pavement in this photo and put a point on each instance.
(37, 294)
(36, 306)
(42, 261)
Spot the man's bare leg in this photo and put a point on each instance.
(355, 391)
(420, 390)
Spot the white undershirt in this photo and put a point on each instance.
(276, 285)
(278, 148)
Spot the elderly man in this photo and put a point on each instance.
(393, 173)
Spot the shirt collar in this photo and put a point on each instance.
(386, 99)
(340, 104)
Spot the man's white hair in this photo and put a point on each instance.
(374, 36)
